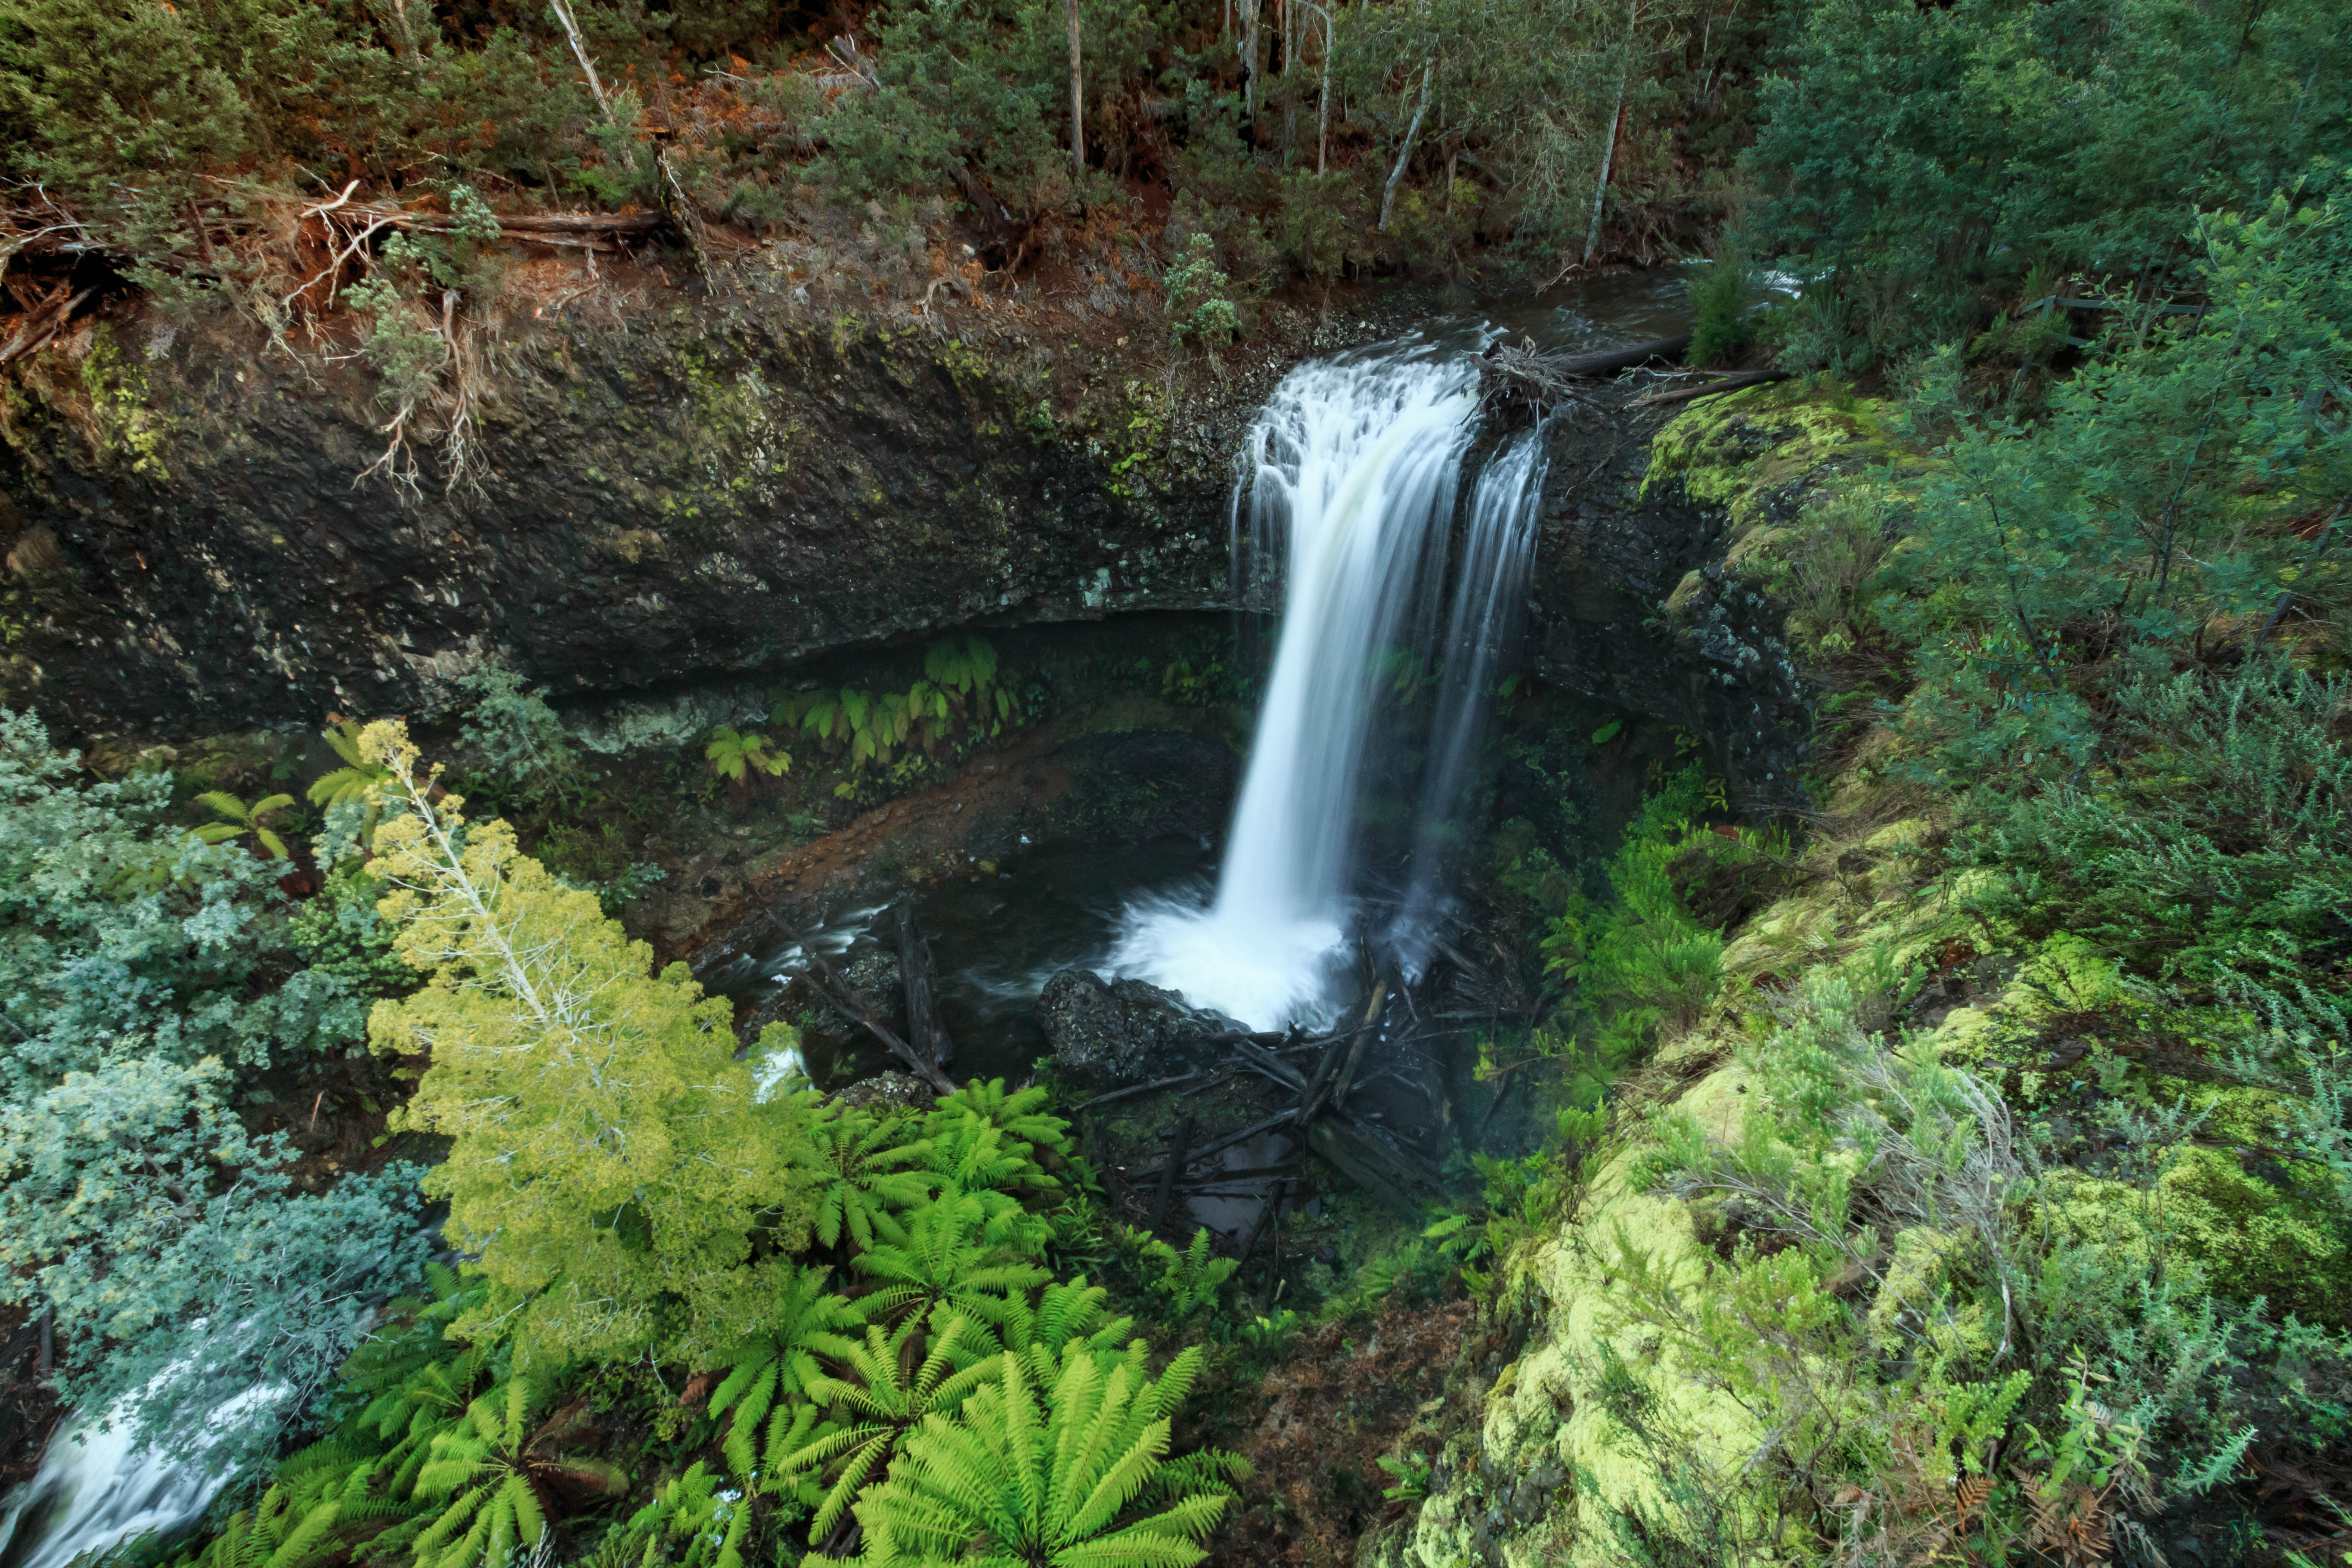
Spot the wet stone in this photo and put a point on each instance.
(1125, 1031)
(889, 1091)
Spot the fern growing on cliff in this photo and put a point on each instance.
(741, 758)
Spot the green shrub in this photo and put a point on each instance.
(1720, 300)
(1199, 307)
(1642, 965)
(2010, 141)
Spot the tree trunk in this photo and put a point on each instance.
(580, 52)
(924, 1030)
(1411, 133)
(1077, 100)
(1250, 9)
(1616, 126)
(1323, 99)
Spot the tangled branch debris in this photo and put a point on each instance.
(1522, 374)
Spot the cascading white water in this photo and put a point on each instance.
(1489, 587)
(1352, 467)
(99, 1486)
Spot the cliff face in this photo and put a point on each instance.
(724, 490)
(721, 490)
(1635, 603)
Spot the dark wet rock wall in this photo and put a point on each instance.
(716, 494)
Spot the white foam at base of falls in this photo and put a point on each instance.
(1352, 469)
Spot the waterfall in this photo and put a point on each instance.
(99, 1485)
(1350, 473)
(1489, 588)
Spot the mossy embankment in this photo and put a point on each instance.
(1967, 1213)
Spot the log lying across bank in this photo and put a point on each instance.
(835, 991)
(1524, 373)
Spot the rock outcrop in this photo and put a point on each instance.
(1124, 1031)
(719, 491)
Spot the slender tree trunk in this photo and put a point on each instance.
(1250, 9)
(1601, 189)
(1411, 133)
(1616, 128)
(403, 34)
(1077, 100)
(580, 52)
(1323, 99)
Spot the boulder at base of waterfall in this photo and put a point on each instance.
(1124, 1031)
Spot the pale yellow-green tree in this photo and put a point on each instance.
(612, 1162)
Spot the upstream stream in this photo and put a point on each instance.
(1394, 533)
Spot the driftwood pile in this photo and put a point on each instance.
(1320, 1082)
(1522, 374)
(1318, 1072)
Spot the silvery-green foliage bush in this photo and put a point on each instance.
(180, 1269)
(121, 936)
(145, 978)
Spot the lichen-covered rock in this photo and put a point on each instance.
(1123, 1031)
(889, 1091)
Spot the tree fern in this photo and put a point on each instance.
(495, 1480)
(1018, 1114)
(781, 1361)
(700, 1517)
(1013, 1479)
(863, 1175)
(975, 1157)
(886, 1382)
(960, 1250)
(1065, 1318)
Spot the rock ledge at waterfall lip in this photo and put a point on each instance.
(1124, 1031)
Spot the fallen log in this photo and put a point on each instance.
(843, 996)
(1134, 1089)
(925, 1032)
(1609, 362)
(43, 322)
(1732, 382)
(522, 225)
(1360, 1161)
(1266, 1212)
